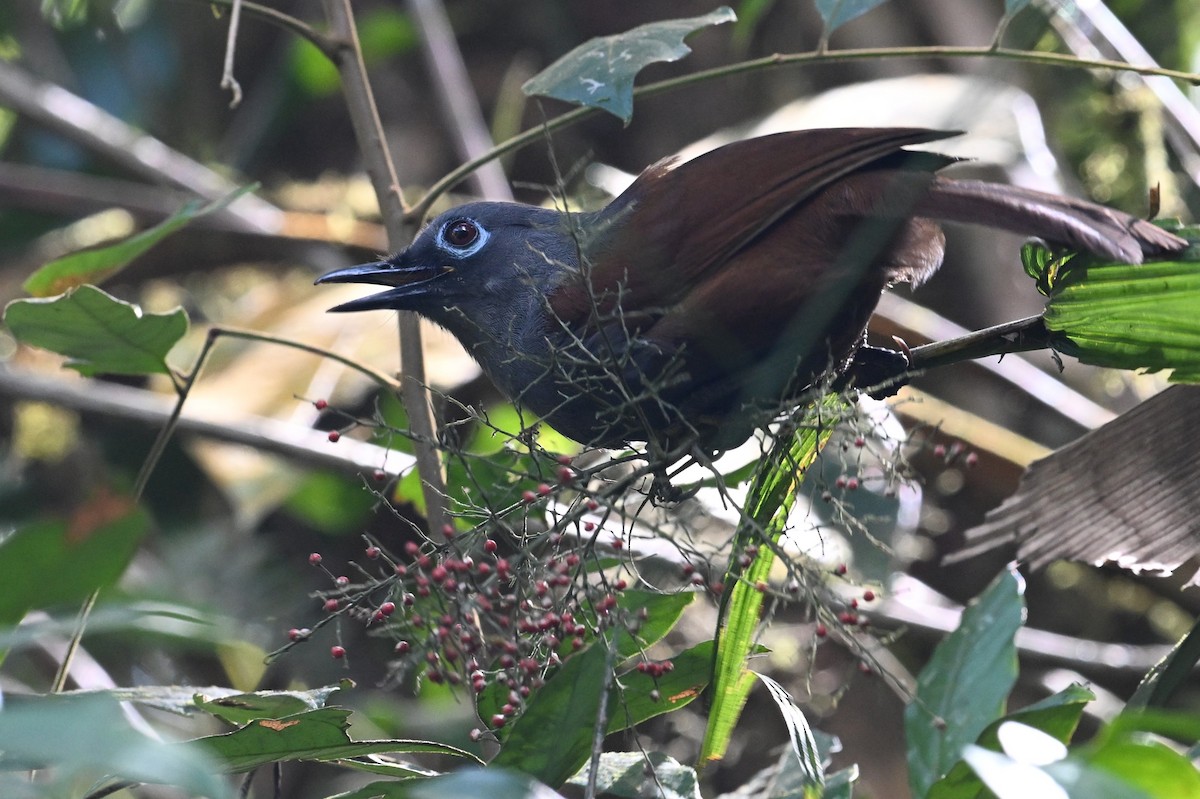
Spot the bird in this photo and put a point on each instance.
(713, 293)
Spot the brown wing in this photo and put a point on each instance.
(674, 229)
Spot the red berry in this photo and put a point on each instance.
(320, 405)
(337, 652)
(387, 608)
(939, 451)
(331, 605)
(372, 552)
(868, 596)
(860, 442)
(528, 497)
(544, 489)
(592, 505)
(840, 569)
(852, 484)
(315, 558)
(334, 436)
(564, 460)
(489, 546)
(402, 647)
(565, 474)
(498, 720)
(379, 475)
(342, 582)
(448, 530)
(617, 543)
(972, 459)
(298, 633)
(821, 631)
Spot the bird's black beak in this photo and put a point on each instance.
(409, 280)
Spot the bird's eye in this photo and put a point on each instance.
(460, 233)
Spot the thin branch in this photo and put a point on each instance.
(91, 126)
(1021, 335)
(457, 96)
(302, 29)
(228, 81)
(301, 445)
(364, 115)
(785, 60)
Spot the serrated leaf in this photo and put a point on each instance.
(600, 72)
(836, 13)
(99, 263)
(97, 332)
(964, 686)
(633, 775)
(1130, 317)
(770, 499)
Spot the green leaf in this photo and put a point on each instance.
(1149, 766)
(634, 775)
(770, 500)
(662, 613)
(600, 72)
(1130, 317)
(493, 783)
(99, 263)
(1057, 716)
(553, 737)
(1006, 777)
(241, 708)
(678, 687)
(88, 737)
(57, 562)
(314, 735)
(1169, 674)
(964, 686)
(836, 13)
(97, 332)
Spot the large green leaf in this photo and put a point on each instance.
(99, 333)
(600, 72)
(312, 735)
(99, 263)
(964, 686)
(62, 561)
(1057, 715)
(1131, 317)
(553, 737)
(88, 736)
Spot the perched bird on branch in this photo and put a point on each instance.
(708, 295)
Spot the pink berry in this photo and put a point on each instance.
(387, 608)
(320, 405)
(337, 652)
(528, 497)
(315, 558)
(334, 436)
(372, 552)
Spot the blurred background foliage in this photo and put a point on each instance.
(233, 526)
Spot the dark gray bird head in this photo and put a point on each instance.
(467, 261)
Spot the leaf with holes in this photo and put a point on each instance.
(600, 72)
(97, 332)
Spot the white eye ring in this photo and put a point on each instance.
(476, 236)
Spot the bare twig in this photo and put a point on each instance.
(300, 444)
(81, 121)
(228, 81)
(368, 128)
(457, 96)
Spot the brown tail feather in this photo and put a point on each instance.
(1076, 223)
